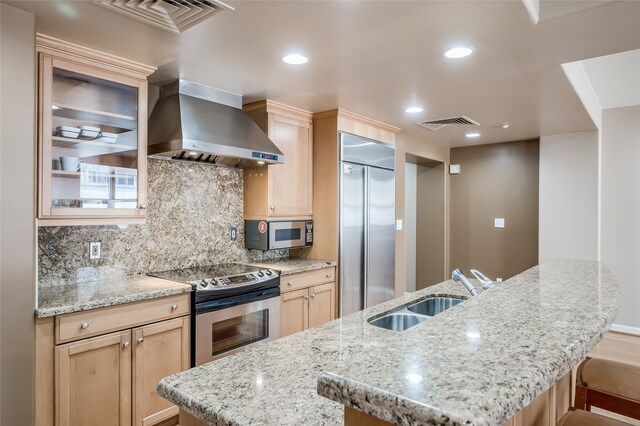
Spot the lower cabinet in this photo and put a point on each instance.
(102, 367)
(93, 381)
(112, 379)
(159, 350)
(305, 302)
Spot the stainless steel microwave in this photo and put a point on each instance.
(277, 235)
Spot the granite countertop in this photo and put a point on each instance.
(477, 363)
(293, 265)
(64, 299)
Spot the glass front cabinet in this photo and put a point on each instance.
(92, 136)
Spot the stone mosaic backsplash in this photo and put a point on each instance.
(191, 208)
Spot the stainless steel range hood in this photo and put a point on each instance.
(192, 122)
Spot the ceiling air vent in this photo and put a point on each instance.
(174, 16)
(434, 125)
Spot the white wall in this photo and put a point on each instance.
(17, 209)
(410, 227)
(620, 200)
(568, 209)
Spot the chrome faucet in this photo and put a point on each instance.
(486, 282)
(458, 276)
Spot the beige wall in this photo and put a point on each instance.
(410, 231)
(423, 149)
(430, 225)
(496, 181)
(568, 197)
(17, 223)
(620, 201)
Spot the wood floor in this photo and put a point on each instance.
(618, 347)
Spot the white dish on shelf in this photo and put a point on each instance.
(67, 132)
(89, 132)
(109, 137)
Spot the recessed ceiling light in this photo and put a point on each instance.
(413, 110)
(472, 135)
(295, 59)
(505, 125)
(459, 52)
(260, 163)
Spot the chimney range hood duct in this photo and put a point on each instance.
(192, 122)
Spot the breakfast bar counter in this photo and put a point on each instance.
(478, 363)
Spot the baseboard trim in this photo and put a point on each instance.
(625, 329)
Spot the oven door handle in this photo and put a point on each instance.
(228, 302)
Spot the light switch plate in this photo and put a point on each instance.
(94, 250)
(399, 225)
(498, 222)
(454, 169)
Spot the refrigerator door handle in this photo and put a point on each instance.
(367, 218)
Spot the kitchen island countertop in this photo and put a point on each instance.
(477, 363)
(75, 297)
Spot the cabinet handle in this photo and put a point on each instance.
(289, 283)
(328, 275)
(273, 207)
(126, 345)
(306, 297)
(313, 295)
(174, 307)
(143, 206)
(84, 325)
(140, 340)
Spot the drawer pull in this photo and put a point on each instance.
(126, 345)
(174, 306)
(289, 283)
(84, 325)
(140, 340)
(328, 275)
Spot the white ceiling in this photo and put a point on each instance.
(376, 58)
(615, 78)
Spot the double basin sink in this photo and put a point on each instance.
(415, 314)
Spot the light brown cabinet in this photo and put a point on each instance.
(307, 300)
(111, 378)
(93, 381)
(92, 136)
(283, 190)
(159, 350)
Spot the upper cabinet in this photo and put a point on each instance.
(283, 190)
(92, 136)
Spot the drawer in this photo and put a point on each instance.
(307, 279)
(84, 324)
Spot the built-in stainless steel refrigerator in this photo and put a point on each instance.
(367, 223)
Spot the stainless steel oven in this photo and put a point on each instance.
(226, 326)
(234, 307)
(277, 235)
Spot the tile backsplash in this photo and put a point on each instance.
(191, 208)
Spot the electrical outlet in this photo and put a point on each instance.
(498, 280)
(234, 234)
(94, 250)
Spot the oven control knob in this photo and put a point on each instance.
(204, 283)
(260, 274)
(268, 272)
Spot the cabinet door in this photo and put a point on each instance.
(92, 143)
(290, 184)
(321, 304)
(159, 350)
(294, 312)
(93, 381)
